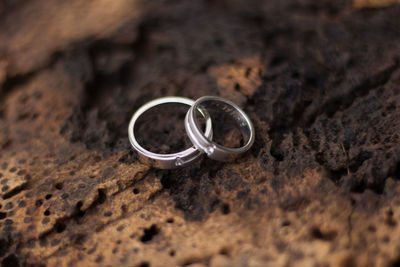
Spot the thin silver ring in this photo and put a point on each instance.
(205, 144)
(167, 161)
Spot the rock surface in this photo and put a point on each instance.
(319, 79)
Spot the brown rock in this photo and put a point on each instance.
(320, 186)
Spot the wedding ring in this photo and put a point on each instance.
(168, 161)
(203, 143)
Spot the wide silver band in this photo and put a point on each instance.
(205, 144)
(168, 161)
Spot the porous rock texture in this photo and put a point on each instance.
(319, 79)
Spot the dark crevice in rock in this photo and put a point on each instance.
(10, 261)
(78, 212)
(277, 138)
(395, 262)
(377, 187)
(336, 175)
(101, 197)
(15, 191)
(358, 186)
(357, 161)
(396, 171)
(15, 81)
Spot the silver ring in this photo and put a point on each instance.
(205, 144)
(167, 161)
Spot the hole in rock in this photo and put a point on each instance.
(39, 203)
(226, 209)
(60, 227)
(58, 186)
(316, 233)
(224, 251)
(149, 233)
(144, 264)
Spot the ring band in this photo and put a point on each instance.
(205, 144)
(168, 161)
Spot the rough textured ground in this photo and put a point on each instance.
(319, 79)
